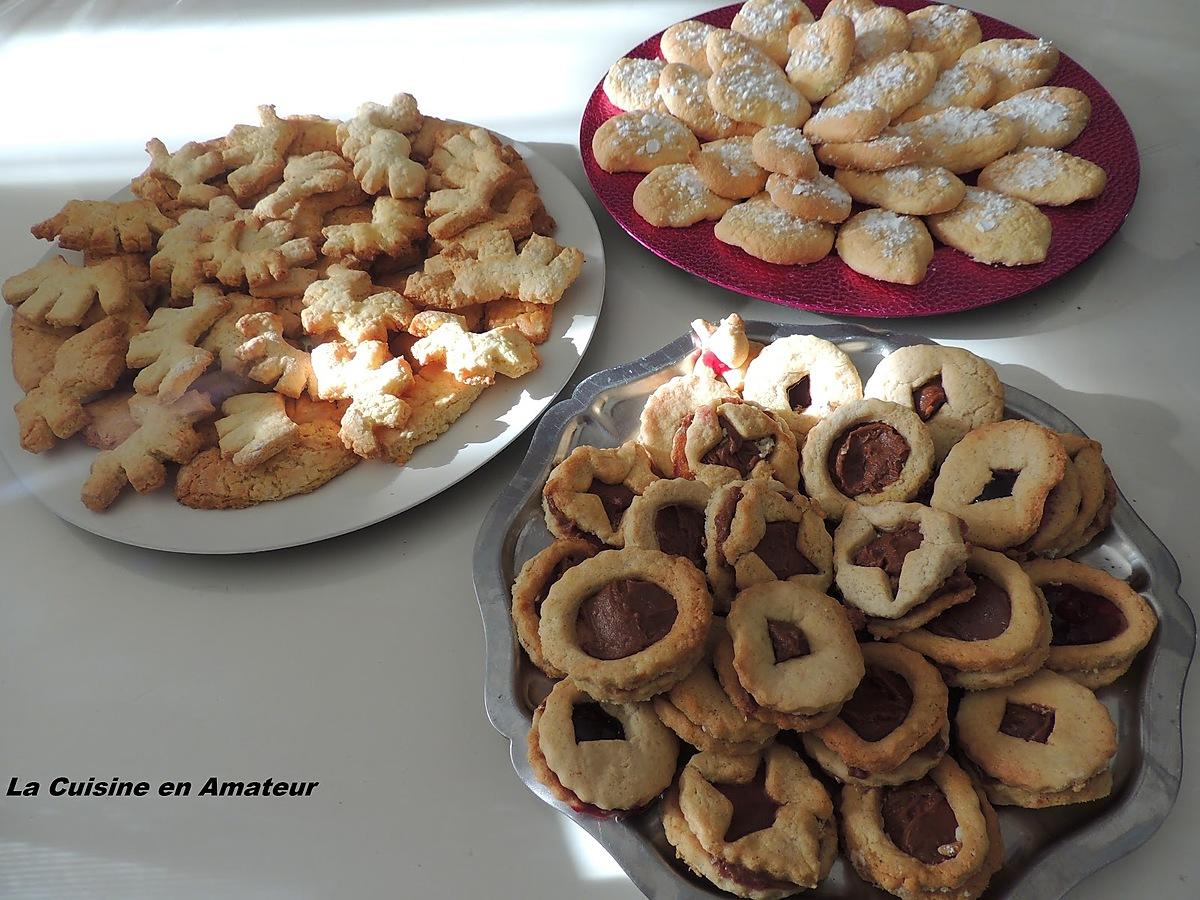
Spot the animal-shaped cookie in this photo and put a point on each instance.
(58, 294)
(105, 227)
(253, 428)
(477, 358)
(166, 351)
(372, 380)
(347, 302)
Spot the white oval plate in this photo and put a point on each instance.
(372, 490)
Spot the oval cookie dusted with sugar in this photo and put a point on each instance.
(783, 149)
(641, 141)
(819, 198)
(893, 82)
(961, 139)
(1018, 64)
(992, 228)
(757, 94)
(965, 84)
(945, 31)
(767, 232)
(846, 122)
(884, 152)
(632, 83)
(912, 190)
(820, 56)
(880, 244)
(676, 196)
(1048, 116)
(768, 22)
(684, 43)
(684, 92)
(1044, 176)
(728, 168)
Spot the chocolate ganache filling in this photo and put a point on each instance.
(887, 550)
(1027, 721)
(737, 452)
(623, 618)
(879, 704)
(615, 497)
(800, 395)
(867, 458)
(1081, 617)
(780, 551)
(569, 561)
(929, 398)
(787, 640)
(592, 723)
(753, 808)
(918, 819)
(983, 617)
(680, 532)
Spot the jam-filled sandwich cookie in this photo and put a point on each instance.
(1098, 624)
(900, 563)
(992, 228)
(626, 624)
(868, 450)
(951, 389)
(758, 531)
(1018, 64)
(795, 660)
(533, 583)
(945, 31)
(632, 83)
(1098, 494)
(670, 404)
(936, 837)
(701, 713)
(1000, 635)
(1044, 177)
(1044, 741)
(886, 246)
(669, 516)
(802, 379)
(607, 756)
(588, 493)
(893, 729)
(731, 439)
(997, 478)
(766, 232)
(763, 821)
(642, 140)
(727, 168)
(913, 190)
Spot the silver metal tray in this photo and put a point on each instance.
(1046, 851)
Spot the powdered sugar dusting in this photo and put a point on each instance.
(691, 34)
(912, 177)
(1036, 109)
(891, 231)
(937, 21)
(648, 131)
(787, 137)
(953, 125)
(953, 84)
(821, 186)
(759, 18)
(986, 207)
(737, 156)
(763, 212)
(1035, 168)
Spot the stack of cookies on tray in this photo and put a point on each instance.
(734, 125)
(811, 583)
(284, 301)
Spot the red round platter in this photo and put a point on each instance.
(954, 282)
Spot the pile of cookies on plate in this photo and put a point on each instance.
(733, 125)
(806, 582)
(284, 301)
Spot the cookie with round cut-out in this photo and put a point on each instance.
(819, 56)
(945, 31)
(322, 172)
(1018, 64)
(166, 351)
(912, 190)
(105, 227)
(641, 141)
(893, 82)
(769, 233)
(478, 358)
(1048, 116)
(57, 294)
(820, 198)
(347, 302)
(847, 122)
(372, 380)
(272, 360)
(784, 149)
(762, 95)
(684, 42)
(768, 22)
(992, 228)
(884, 152)
(676, 196)
(886, 246)
(632, 83)
(684, 92)
(253, 428)
(256, 154)
(961, 139)
(1044, 177)
(964, 84)
(728, 168)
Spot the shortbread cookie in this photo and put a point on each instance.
(109, 420)
(173, 181)
(346, 302)
(945, 31)
(951, 389)
(996, 479)
(992, 228)
(729, 440)
(600, 755)
(784, 149)
(105, 227)
(728, 168)
(224, 338)
(466, 173)
(765, 822)
(632, 83)
(892, 83)
(668, 515)
(1044, 177)
(437, 399)
(587, 494)
(640, 141)
(886, 246)
(1097, 493)
(769, 233)
(627, 624)
(270, 359)
(367, 375)
(684, 92)
(1018, 64)
(961, 139)
(667, 407)
(757, 94)
(817, 199)
(866, 450)
(533, 320)
(1048, 116)
(684, 42)
(529, 591)
(253, 428)
(912, 190)
(675, 196)
(166, 351)
(34, 346)
(1045, 741)
(768, 22)
(820, 56)
(964, 84)
(257, 153)
(884, 152)
(1058, 514)
(57, 294)
(477, 358)
(323, 172)
(848, 122)
(802, 379)
(394, 228)
(1099, 624)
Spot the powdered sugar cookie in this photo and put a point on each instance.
(802, 379)
(768, 22)
(728, 168)
(961, 139)
(820, 56)
(723, 47)
(1044, 176)
(819, 198)
(783, 149)
(993, 228)
(684, 43)
(641, 141)
(847, 122)
(748, 92)
(631, 83)
(880, 244)
(684, 92)
(945, 31)
(893, 82)
(1048, 116)
(964, 84)
(884, 152)
(767, 232)
(1017, 63)
(878, 31)
(676, 196)
(912, 190)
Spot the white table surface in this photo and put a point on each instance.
(358, 662)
